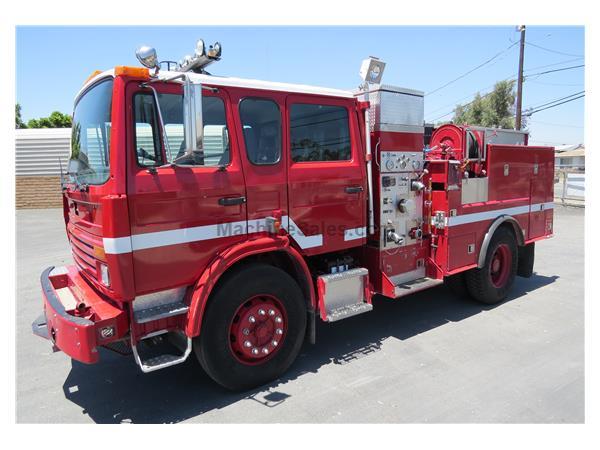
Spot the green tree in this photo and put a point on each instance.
(18, 120)
(491, 110)
(55, 120)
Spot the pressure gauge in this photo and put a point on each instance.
(389, 165)
(403, 164)
(416, 164)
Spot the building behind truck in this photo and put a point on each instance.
(224, 217)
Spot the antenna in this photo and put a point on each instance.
(62, 177)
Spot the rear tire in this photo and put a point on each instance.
(253, 327)
(457, 284)
(491, 283)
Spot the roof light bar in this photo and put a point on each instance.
(201, 59)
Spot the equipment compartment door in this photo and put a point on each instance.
(542, 192)
(326, 175)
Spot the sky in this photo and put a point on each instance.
(417, 57)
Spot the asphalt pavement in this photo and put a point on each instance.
(431, 357)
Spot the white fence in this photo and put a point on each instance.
(575, 185)
(569, 187)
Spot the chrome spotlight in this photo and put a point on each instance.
(147, 56)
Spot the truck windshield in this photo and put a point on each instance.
(90, 135)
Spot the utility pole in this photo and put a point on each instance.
(520, 28)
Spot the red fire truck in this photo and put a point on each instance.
(225, 216)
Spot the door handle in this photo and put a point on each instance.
(231, 201)
(353, 189)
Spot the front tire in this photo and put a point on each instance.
(253, 327)
(491, 283)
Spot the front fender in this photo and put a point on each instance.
(226, 259)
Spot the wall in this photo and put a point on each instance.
(38, 192)
(39, 155)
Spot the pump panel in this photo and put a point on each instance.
(400, 201)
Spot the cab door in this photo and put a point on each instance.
(326, 174)
(181, 216)
(261, 135)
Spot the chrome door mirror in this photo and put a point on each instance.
(192, 117)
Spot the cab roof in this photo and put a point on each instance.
(236, 82)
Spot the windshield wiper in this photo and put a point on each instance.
(82, 187)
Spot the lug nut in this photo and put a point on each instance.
(279, 331)
(265, 350)
(274, 343)
(246, 331)
(251, 319)
(271, 312)
(255, 351)
(278, 319)
(261, 312)
(247, 344)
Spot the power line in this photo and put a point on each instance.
(474, 69)
(556, 100)
(552, 51)
(556, 84)
(455, 102)
(554, 70)
(508, 79)
(554, 64)
(464, 106)
(555, 124)
(554, 106)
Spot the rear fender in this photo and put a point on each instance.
(225, 260)
(504, 219)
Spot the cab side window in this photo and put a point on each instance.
(319, 133)
(148, 135)
(147, 140)
(216, 136)
(261, 125)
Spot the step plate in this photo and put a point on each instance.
(163, 356)
(160, 312)
(348, 311)
(161, 360)
(417, 285)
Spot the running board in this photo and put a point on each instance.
(160, 361)
(417, 285)
(159, 312)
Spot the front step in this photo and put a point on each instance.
(163, 354)
(344, 312)
(417, 285)
(343, 294)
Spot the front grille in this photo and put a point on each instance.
(82, 249)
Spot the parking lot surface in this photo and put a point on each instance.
(431, 357)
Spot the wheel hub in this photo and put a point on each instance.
(500, 265)
(257, 330)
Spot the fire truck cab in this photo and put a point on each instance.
(225, 216)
